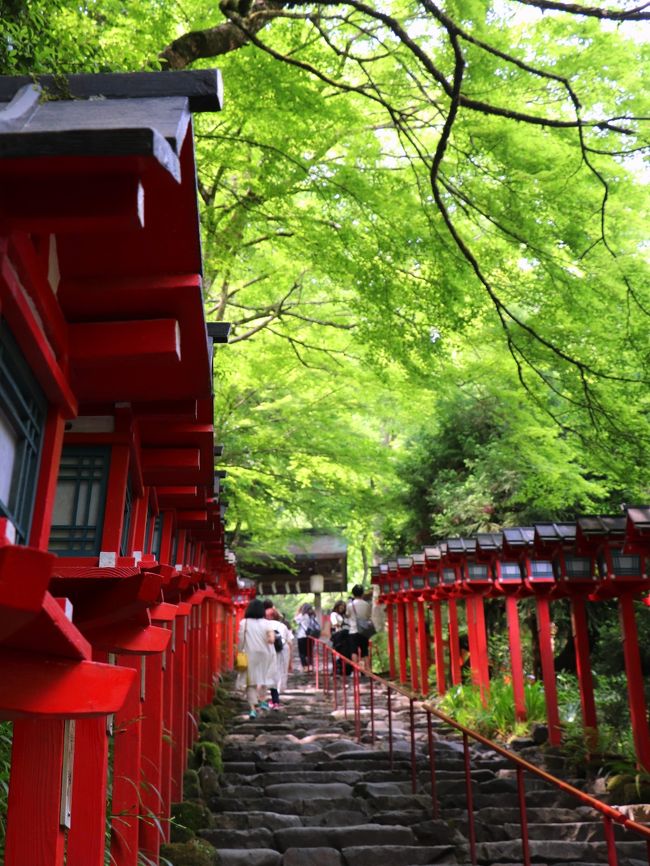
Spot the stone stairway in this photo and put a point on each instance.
(299, 790)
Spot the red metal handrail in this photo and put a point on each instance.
(329, 656)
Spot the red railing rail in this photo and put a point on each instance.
(325, 668)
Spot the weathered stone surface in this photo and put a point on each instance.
(258, 837)
(381, 789)
(289, 791)
(242, 768)
(209, 781)
(342, 837)
(244, 820)
(393, 855)
(338, 818)
(317, 777)
(261, 857)
(312, 857)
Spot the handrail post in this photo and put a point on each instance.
(390, 726)
(327, 661)
(414, 773)
(372, 710)
(612, 856)
(432, 767)
(523, 815)
(314, 657)
(335, 684)
(471, 828)
(345, 696)
(357, 703)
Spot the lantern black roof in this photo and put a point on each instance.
(519, 536)
(605, 526)
(489, 541)
(461, 545)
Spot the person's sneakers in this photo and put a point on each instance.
(275, 706)
(252, 714)
(263, 705)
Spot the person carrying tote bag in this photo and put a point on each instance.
(256, 638)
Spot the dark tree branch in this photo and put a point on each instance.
(636, 14)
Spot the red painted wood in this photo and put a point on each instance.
(139, 523)
(439, 647)
(127, 790)
(179, 739)
(167, 465)
(412, 632)
(104, 602)
(166, 537)
(99, 344)
(168, 658)
(28, 333)
(470, 618)
(73, 203)
(548, 669)
(423, 642)
(583, 665)
(455, 661)
(34, 836)
(516, 660)
(86, 837)
(402, 636)
(32, 686)
(129, 638)
(390, 625)
(31, 268)
(151, 809)
(47, 478)
(635, 692)
(481, 642)
(115, 494)
(50, 632)
(24, 578)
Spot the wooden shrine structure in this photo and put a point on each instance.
(115, 586)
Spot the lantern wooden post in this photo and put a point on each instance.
(635, 687)
(126, 772)
(439, 647)
(35, 834)
(516, 661)
(454, 643)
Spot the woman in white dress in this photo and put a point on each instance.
(256, 637)
(282, 658)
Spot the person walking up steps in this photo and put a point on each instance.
(282, 655)
(256, 638)
(358, 609)
(307, 625)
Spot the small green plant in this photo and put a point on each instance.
(495, 718)
(6, 732)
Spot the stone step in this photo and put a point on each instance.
(555, 851)
(251, 820)
(344, 837)
(393, 855)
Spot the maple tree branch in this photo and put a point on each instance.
(636, 14)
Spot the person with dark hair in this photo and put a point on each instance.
(340, 634)
(358, 609)
(256, 638)
(307, 625)
(283, 641)
(267, 604)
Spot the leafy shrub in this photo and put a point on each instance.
(206, 754)
(6, 731)
(497, 718)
